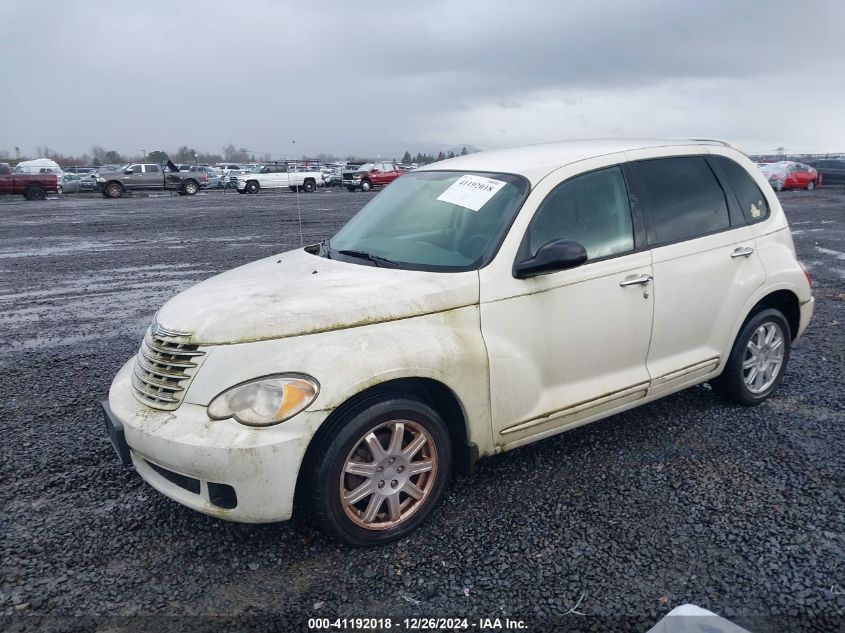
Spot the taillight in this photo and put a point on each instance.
(807, 274)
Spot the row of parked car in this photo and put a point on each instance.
(788, 174)
(115, 180)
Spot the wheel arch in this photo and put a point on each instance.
(784, 301)
(783, 298)
(433, 392)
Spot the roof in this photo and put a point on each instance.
(535, 162)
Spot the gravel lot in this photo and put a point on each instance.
(741, 511)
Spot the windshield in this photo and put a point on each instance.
(366, 167)
(435, 220)
(255, 170)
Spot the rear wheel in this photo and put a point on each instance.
(309, 186)
(35, 192)
(190, 188)
(757, 360)
(380, 471)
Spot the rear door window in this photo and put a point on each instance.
(751, 199)
(680, 197)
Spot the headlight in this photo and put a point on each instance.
(100, 179)
(265, 401)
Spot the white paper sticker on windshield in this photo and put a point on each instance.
(471, 192)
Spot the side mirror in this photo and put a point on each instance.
(127, 171)
(554, 256)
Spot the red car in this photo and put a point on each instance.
(371, 175)
(30, 186)
(788, 174)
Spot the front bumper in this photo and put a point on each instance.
(351, 183)
(218, 467)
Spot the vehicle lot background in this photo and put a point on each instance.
(741, 511)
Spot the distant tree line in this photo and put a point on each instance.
(187, 155)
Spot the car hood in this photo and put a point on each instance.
(299, 293)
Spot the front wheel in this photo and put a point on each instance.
(811, 185)
(380, 471)
(366, 185)
(114, 190)
(252, 187)
(757, 360)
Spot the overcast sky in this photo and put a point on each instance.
(372, 78)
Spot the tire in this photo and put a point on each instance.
(113, 190)
(351, 189)
(60, 190)
(394, 503)
(252, 187)
(366, 185)
(811, 185)
(35, 192)
(754, 384)
(190, 188)
(779, 185)
(309, 187)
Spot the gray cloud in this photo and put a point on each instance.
(345, 77)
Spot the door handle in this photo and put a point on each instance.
(743, 251)
(642, 280)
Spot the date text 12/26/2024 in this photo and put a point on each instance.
(415, 624)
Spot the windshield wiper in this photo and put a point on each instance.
(378, 261)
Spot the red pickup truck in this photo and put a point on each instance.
(371, 175)
(30, 186)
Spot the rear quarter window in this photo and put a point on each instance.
(751, 199)
(681, 198)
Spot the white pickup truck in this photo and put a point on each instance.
(277, 176)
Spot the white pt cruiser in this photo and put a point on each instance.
(475, 305)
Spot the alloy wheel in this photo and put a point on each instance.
(388, 475)
(763, 358)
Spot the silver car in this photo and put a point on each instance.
(70, 183)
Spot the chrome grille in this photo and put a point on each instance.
(163, 368)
